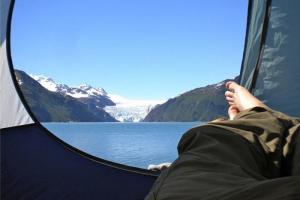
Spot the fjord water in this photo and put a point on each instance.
(134, 144)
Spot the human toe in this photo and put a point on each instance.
(232, 86)
(229, 94)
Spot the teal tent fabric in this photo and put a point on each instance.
(256, 17)
(277, 81)
(270, 68)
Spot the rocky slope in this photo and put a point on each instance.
(201, 104)
(54, 106)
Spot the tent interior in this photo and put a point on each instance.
(35, 164)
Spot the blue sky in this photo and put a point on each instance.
(144, 49)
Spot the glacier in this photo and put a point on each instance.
(121, 108)
(130, 110)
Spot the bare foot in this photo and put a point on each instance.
(232, 112)
(240, 98)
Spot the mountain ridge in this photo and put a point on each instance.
(94, 97)
(120, 108)
(200, 104)
(51, 106)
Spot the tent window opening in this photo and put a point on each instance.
(124, 80)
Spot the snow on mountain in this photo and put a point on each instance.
(81, 91)
(122, 109)
(46, 82)
(93, 91)
(129, 110)
(220, 84)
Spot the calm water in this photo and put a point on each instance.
(135, 144)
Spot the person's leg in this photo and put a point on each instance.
(227, 161)
(235, 159)
(241, 99)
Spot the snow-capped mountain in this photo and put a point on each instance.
(47, 83)
(94, 97)
(129, 110)
(49, 106)
(81, 91)
(122, 109)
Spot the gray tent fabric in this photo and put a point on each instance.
(272, 74)
(277, 81)
(12, 110)
(256, 16)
